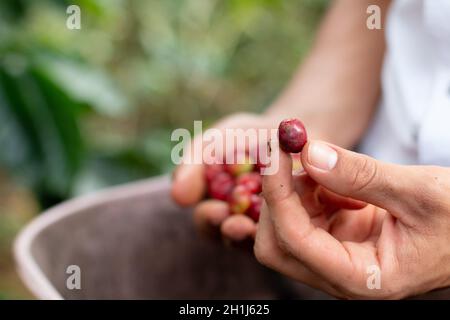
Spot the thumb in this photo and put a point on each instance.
(355, 175)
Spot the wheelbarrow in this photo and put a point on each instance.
(133, 242)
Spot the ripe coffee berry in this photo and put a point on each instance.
(238, 183)
(221, 186)
(292, 135)
(240, 200)
(212, 170)
(251, 180)
(255, 207)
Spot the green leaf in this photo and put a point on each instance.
(42, 140)
(84, 84)
(20, 147)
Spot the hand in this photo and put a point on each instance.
(212, 216)
(404, 230)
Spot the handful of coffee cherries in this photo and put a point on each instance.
(240, 184)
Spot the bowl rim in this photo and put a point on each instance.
(27, 267)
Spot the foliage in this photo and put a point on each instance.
(83, 109)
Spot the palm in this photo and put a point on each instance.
(363, 225)
(369, 235)
(341, 218)
(358, 229)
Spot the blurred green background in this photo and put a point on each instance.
(84, 109)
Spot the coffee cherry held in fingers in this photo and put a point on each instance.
(292, 135)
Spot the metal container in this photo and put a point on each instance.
(133, 242)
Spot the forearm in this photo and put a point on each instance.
(336, 89)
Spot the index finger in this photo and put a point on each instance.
(314, 247)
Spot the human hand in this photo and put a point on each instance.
(404, 231)
(212, 216)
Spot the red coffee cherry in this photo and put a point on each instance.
(221, 186)
(251, 180)
(255, 207)
(292, 135)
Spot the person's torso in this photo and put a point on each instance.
(412, 125)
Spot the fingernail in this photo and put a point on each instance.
(321, 156)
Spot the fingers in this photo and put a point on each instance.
(314, 247)
(212, 218)
(355, 175)
(361, 226)
(238, 227)
(268, 252)
(209, 215)
(189, 186)
(326, 196)
(188, 183)
(318, 200)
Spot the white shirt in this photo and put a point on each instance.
(412, 125)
